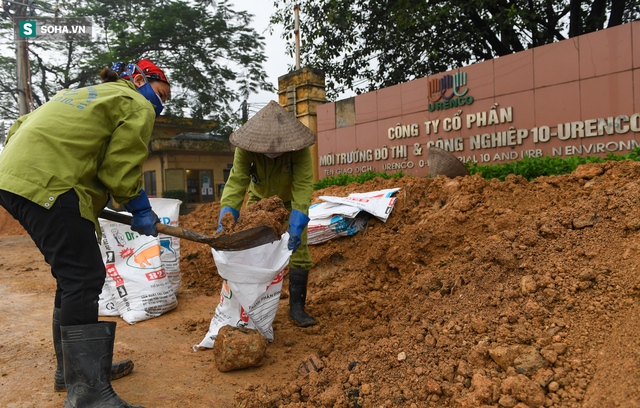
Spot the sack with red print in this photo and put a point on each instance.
(136, 277)
(251, 290)
(168, 209)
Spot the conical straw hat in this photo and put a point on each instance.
(273, 130)
(443, 162)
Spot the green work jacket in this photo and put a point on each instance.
(92, 140)
(289, 176)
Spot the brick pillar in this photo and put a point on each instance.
(301, 92)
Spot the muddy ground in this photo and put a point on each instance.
(474, 293)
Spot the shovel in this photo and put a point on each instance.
(238, 241)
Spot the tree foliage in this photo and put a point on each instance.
(210, 54)
(364, 45)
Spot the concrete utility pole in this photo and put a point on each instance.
(2, 134)
(296, 31)
(23, 74)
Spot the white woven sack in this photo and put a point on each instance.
(252, 288)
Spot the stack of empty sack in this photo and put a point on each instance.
(344, 216)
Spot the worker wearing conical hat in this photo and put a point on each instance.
(273, 158)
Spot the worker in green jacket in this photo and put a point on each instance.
(58, 168)
(272, 158)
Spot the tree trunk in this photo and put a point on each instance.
(533, 27)
(575, 19)
(617, 10)
(596, 18)
(489, 36)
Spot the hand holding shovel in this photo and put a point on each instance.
(238, 241)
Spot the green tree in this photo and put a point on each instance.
(364, 45)
(210, 54)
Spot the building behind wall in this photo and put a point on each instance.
(580, 96)
(184, 156)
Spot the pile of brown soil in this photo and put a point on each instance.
(473, 293)
(9, 226)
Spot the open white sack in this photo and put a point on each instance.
(252, 288)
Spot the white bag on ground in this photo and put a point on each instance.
(252, 288)
(106, 301)
(377, 203)
(136, 277)
(168, 210)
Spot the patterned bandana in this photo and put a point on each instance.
(144, 66)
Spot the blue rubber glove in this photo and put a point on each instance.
(223, 211)
(144, 219)
(297, 222)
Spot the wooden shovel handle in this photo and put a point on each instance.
(238, 241)
(162, 228)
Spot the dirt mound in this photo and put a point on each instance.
(9, 226)
(473, 293)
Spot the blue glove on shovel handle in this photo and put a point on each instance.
(144, 219)
(223, 211)
(297, 222)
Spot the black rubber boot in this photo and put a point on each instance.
(88, 351)
(298, 279)
(118, 370)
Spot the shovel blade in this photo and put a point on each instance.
(246, 239)
(237, 241)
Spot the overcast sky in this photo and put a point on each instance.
(278, 62)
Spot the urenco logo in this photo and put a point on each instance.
(448, 92)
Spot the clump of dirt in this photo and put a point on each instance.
(269, 211)
(196, 261)
(228, 222)
(236, 348)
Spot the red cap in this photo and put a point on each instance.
(151, 70)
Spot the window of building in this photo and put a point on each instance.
(200, 186)
(150, 183)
